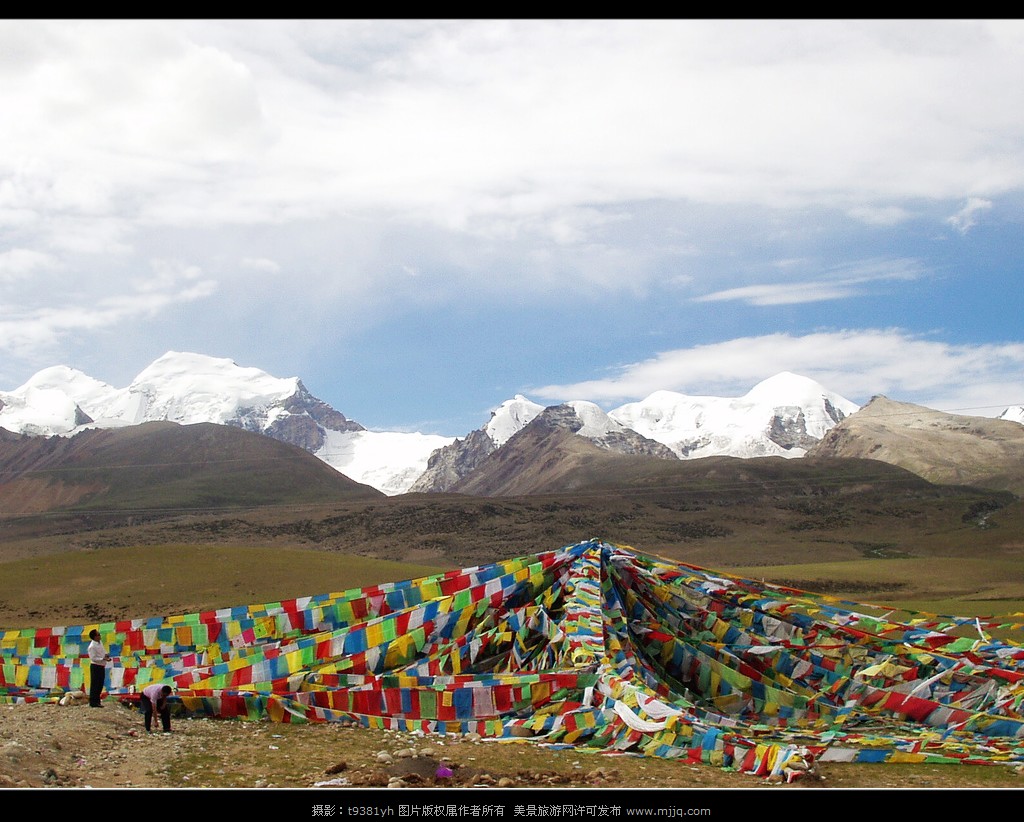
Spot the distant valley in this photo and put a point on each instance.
(878, 490)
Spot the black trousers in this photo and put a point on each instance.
(165, 713)
(97, 673)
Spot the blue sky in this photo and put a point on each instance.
(423, 218)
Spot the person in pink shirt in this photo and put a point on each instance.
(154, 700)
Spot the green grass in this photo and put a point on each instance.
(916, 552)
(88, 586)
(85, 586)
(943, 585)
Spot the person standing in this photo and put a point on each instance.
(154, 700)
(98, 659)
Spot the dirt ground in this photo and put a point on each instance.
(46, 745)
(77, 746)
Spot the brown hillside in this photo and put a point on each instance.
(548, 459)
(160, 466)
(538, 460)
(942, 448)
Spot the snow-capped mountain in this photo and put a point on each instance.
(782, 416)
(511, 417)
(191, 388)
(452, 463)
(52, 401)
(605, 432)
(458, 459)
(1014, 413)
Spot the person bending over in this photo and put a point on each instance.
(155, 700)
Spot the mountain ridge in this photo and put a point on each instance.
(188, 388)
(943, 448)
(162, 466)
(785, 415)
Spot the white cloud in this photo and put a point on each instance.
(967, 217)
(93, 235)
(20, 263)
(781, 293)
(260, 264)
(166, 276)
(460, 120)
(856, 363)
(550, 137)
(390, 166)
(885, 215)
(28, 331)
(841, 283)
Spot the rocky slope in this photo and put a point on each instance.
(449, 467)
(942, 448)
(781, 416)
(549, 455)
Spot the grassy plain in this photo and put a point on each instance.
(981, 587)
(97, 585)
(154, 580)
(928, 550)
(923, 555)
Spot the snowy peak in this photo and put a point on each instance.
(587, 420)
(785, 385)
(178, 387)
(450, 465)
(39, 411)
(188, 388)
(459, 458)
(596, 423)
(511, 417)
(822, 408)
(76, 385)
(1015, 413)
(53, 401)
(783, 415)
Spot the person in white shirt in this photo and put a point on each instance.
(98, 659)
